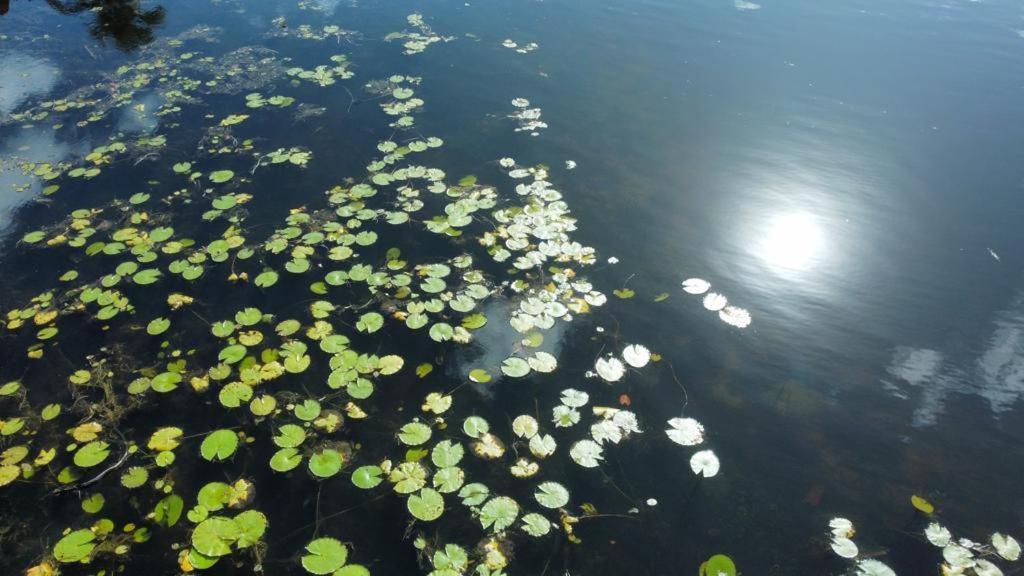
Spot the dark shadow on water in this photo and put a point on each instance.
(125, 22)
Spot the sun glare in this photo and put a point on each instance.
(792, 241)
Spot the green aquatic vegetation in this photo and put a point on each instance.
(419, 38)
(367, 477)
(325, 463)
(324, 75)
(499, 513)
(219, 445)
(324, 556)
(294, 379)
(551, 495)
(717, 565)
(427, 505)
(75, 546)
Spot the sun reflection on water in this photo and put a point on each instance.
(792, 241)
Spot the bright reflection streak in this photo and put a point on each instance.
(792, 241)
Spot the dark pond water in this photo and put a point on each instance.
(850, 173)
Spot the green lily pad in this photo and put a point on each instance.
(414, 433)
(325, 555)
(219, 445)
(215, 535)
(285, 459)
(499, 513)
(428, 505)
(75, 546)
(367, 477)
(266, 279)
(325, 463)
(158, 326)
(92, 454)
(221, 176)
(370, 322)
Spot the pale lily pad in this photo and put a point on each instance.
(685, 431)
(636, 355)
(551, 495)
(704, 463)
(414, 433)
(610, 369)
(515, 367)
(499, 513)
(696, 285)
(1006, 546)
(586, 453)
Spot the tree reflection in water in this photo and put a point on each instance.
(123, 21)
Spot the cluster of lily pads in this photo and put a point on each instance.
(528, 119)
(417, 39)
(521, 49)
(960, 556)
(295, 385)
(716, 302)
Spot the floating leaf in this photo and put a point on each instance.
(718, 565)
(285, 459)
(921, 504)
(325, 463)
(414, 433)
(221, 176)
(714, 301)
(428, 505)
(685, 431)
(75, 546)
(636, 355)
(735, 316)
(1006, 546)
(844, 548)
(266, 279)
(551, 495)
(536, 525)
(447, 453)
(370, 322)
(479, 375)
(586, 453)
(499, 513)
(134, 477)
(167, 438)
(251, 526)
(610, 369)
(367, 477)
(325, 555)
(704, 463)
(168, 510)
(219, 445)
(696, 285)
(157, 326)
(624, 293)
(515, 367)
(872, 567)
(92, 454)
(214, 536)
(475, 426)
